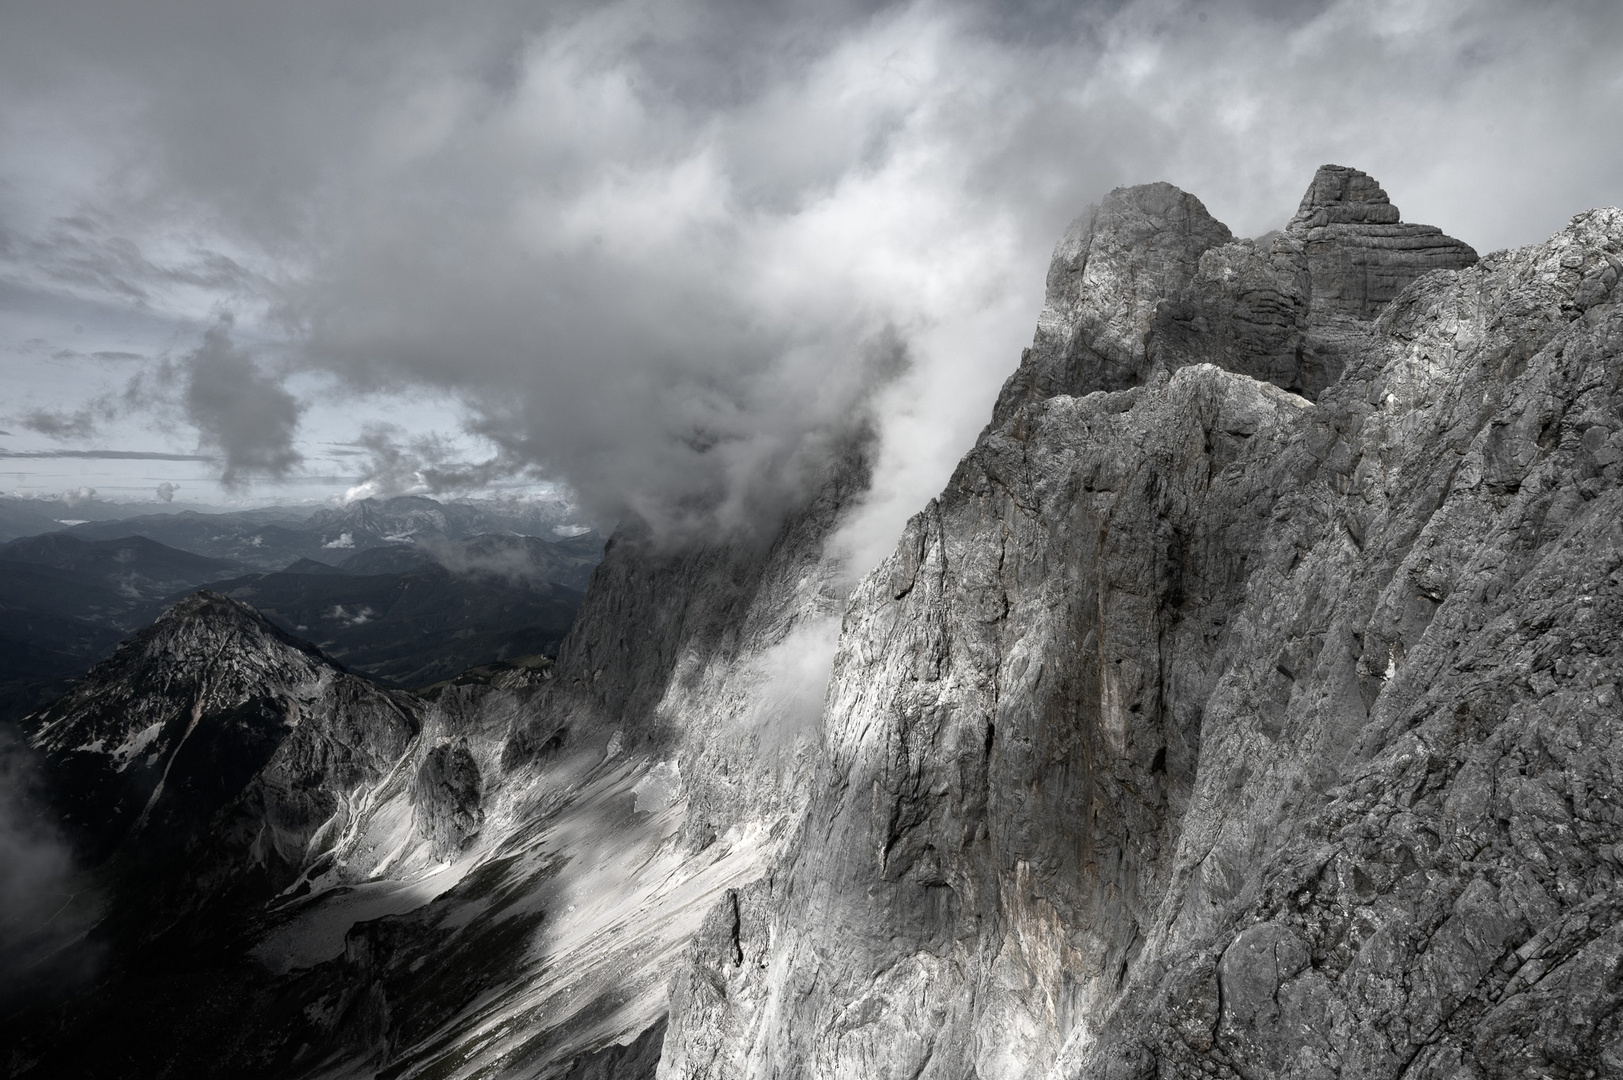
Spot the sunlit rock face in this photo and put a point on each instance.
(1224, 717)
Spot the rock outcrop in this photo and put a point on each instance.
(1148, 281)
(1360, 254)
(1206, 728)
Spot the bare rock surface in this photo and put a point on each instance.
(446, 796)
(1201, 728)
(1115, 265)
(1148, 281)
(1360, 254)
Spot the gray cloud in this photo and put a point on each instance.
(36, 890)
(665, 251)
(398, 463)
(105, 455)
(58, 424)
(240, 413)
(85, 256)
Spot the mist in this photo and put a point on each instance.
(38, 916)
(667, 254)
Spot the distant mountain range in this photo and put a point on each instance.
(269, 539)
(408, 590)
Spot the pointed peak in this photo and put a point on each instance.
(207, 621)
(1340, 195)
(205, 603)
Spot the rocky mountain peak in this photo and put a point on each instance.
(172, 727)
(1201, 729)
(205, 615)
(1148, 282)
(1344, 196)
(1360, 253)
(1110, 272)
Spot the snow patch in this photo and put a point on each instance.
(658, 788)
(135, 745)
(318, 933)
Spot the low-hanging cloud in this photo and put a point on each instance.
(37, 889)
(396, 462)
(670, 252)
(58, 424)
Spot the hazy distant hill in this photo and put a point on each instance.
(137, 566)
(66, 601)
(415, 628)
(409, 596)
(270, 539)
(28, 517)
(398, 614)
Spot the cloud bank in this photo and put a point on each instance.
(665, 252)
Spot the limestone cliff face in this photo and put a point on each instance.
(1204, 727)
(714, 657)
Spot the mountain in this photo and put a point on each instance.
(431, 608)
(1245, 706)
(415, 626)
(519, 885)
(26, 517)
(192, 774)
(134, 565)
(65, 602)
(244, 537)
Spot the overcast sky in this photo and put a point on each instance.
(663, 251)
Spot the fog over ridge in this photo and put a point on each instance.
(667, 253)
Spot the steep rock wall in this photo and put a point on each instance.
(1202, 728)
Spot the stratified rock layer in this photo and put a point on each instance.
(1360, 255)
(1201, 728)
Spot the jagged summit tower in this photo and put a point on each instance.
(1149, 281)
(1360, 253)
